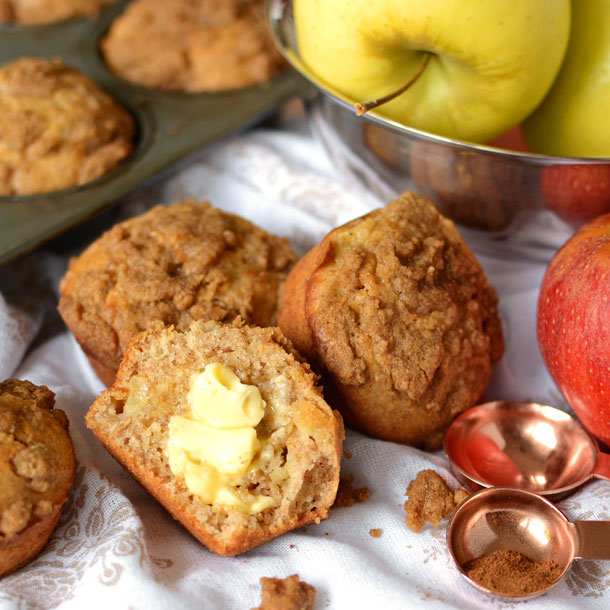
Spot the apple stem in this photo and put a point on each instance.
(362, 107)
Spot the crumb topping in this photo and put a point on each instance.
(403, 319)
(286, 594)
(430, 500)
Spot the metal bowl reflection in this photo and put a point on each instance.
(481, 187)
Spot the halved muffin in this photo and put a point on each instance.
(395, 311)
(226, 427)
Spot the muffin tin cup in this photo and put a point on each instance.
(171, 127)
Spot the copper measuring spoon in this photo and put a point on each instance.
(524, 445)
(522, 521)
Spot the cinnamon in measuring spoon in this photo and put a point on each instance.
(512, 573)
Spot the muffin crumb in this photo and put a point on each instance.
(286, 594)
(430, 500)
(348, 495)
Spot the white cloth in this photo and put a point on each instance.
(115, 547)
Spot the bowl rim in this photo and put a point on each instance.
(276, 11)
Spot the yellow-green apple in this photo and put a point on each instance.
(573, 118)
(491, 61)
(574, 324)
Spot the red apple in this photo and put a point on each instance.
(513, 139)
(577, 193)
(574, 324)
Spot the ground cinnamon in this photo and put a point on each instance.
(512, 573)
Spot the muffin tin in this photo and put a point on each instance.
(171, 127)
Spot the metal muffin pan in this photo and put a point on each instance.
(171, 127)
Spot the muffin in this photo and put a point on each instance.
(36, 470)
(225, 426)
(396, 313)
(31, 12)
(178, 263)
(57, 128)
(192, 45)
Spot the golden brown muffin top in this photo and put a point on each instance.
(36, 456)
(192, 45)
(30, 12)
(403, 294)
(178, 263)
(395, 311)
(57, 128)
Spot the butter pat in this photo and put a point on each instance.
(214, 444)
(229, 450)
(219, 398)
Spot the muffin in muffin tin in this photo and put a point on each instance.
(34, 12)
(168, 125)
(192, 45)
(57, 128)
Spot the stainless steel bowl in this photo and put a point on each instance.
(481, 187)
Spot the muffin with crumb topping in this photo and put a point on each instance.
(33, 12)
(395, 311)
(36, 470)
(58, 129)
(225, 425)
(178, 263)
(192, 45)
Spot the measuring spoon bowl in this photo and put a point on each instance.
(523, 445)
(522, 521)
